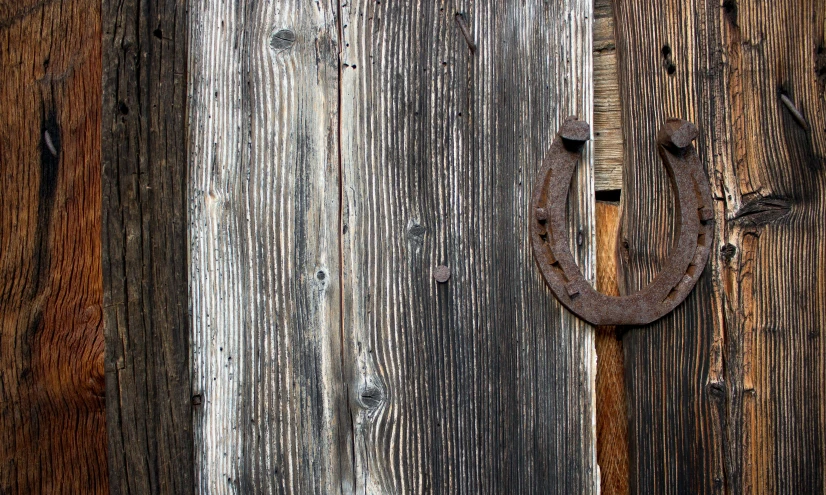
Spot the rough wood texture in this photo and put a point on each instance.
(264, 229)
(607, 124)
(144, 247)
(481, 384)
(612, 419)
(727, 392)
(52, 420)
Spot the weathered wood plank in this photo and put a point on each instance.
(728, 392)
(149, 415)
(264, 230)
(52, 417)
(607, 125)
(481, 384)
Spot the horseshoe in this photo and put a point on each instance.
(695, 218)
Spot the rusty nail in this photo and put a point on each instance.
(460, 20)
(798, 117)
(677, 133)
(441, 273)
(575, 130)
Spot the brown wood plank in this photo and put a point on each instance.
(612, 418)
(149, 401)
(481, 383)
(52, 417)
(727, 393)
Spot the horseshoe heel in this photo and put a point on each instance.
(695, 217)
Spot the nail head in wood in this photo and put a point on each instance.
(575, 130)
(441, 273)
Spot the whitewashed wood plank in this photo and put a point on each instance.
(264, 248)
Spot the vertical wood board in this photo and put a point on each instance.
(264, 247)
(727, 393)
(144, 236)
(481, 384)
(52, 416)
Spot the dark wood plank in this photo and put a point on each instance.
(727, 393)
(149, 403)
(52, 417)
(264, 229)
(481, 383)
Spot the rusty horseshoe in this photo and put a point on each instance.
(688, 256)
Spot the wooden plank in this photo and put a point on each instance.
(144, 247)
(264, 229)
(612, 418)
(481, 384)
(607, 125)
(728, 391)
(52, 417)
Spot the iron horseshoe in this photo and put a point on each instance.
(695, 218)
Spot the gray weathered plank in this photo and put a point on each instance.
(148, 406)
(607, 125)
(264, 247)
(482, 384)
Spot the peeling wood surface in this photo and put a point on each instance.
(483, 383)
(727, 392)
(144, 247)
(52, 418)
(264, 233)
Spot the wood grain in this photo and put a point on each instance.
(727, 393)
(607, 125)
(52, 418)
(149, 407)
(264, 248)
(612, 418)
(483, 383)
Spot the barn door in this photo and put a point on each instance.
(317, 263)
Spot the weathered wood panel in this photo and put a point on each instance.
(727, 393)
(264, 230)
(144, 246)
(607, 126)
(52, 418)
(483, 383)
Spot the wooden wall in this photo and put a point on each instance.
(282, 181)
(340, 154)
(52, 435)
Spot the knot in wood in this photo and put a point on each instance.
(282, 39)
(371, 396)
